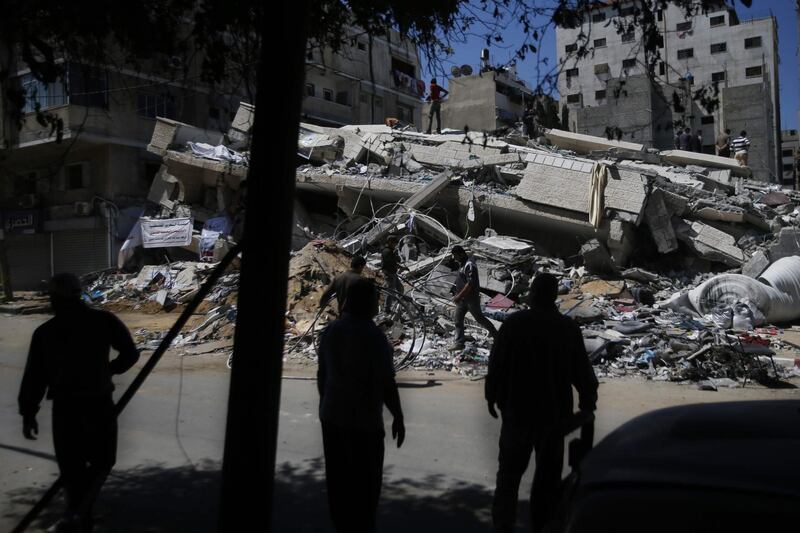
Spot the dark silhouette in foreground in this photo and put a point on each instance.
(341, 283)
(355, 379)
(537, 357)
(69, 361)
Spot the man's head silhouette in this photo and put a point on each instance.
(65, 292)
(362, 299)
(544, 290)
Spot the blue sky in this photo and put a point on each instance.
(530, 70)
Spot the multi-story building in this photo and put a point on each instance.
(736, 60)
(339, 88)
(68, 198)
(493, 98)
(790, 155)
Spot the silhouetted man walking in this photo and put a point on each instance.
(536, 358)
(390, 266)
(355, 379)
(341, 283)
(69, 360)
(468, 296)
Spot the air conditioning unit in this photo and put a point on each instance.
(83, 209)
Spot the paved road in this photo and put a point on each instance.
(441, 479)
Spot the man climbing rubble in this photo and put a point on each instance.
(390, 265)
(467, 298)
(341, 284)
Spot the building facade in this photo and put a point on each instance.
(790, 156)
(339, 89)
(735, 60)
(487, 101)
(68, 199)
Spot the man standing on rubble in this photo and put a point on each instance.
(467, 298)
(342, 283)
(69, 360)
(723, 144)
(355, 380)
(390, 265)
(740, 147)
(536, 359)
(435, 98)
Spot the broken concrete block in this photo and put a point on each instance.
(621, 241)
(756, 265)
(583, 144)
(320, 147)
(659, 222)
(683, 158)
(723, 213)
(787, 244)
(596, 258)
(709, 242)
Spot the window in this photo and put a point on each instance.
(707, 120)
(88, 86)
(75, 176)
(599, 17)
(403, 66)
(719, 20)
(787, 153)
(571, 48)
(660, 15)
(788, 167)
(753, 72)
(686, 53)
(660, 41)
(629, 63)
(26, 184)
(600, 43)
(600, 95)
(752, 42)
(662, 68)
(362, 46)
(343, 98)
(574, 98)
(717, 76)
(156, 105)
(572, 72)
(602, 68)
(405, 113)
(310, 89)
(719, 48)
(42, 95)
(363, 98)
(684, 26)
(327, 94)
(628, 37)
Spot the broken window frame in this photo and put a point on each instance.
(754, 72)
(719, 48)
(716, 21)
(753, 42)
(685, 53)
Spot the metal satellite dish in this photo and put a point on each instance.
(455, 71)
(466, 70)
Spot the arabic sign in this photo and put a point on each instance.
(26, 221)
(161, 233)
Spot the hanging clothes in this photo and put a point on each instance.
(598, 189)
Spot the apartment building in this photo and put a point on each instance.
(790, 156)
(339, 86)
(736, 58)
(68, 198)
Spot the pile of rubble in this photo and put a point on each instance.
(673, 262)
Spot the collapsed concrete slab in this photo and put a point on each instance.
(709, 242)
(682, 157)
(565, 183)
(583, 144)
(659, 222)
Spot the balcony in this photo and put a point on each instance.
(407, 84)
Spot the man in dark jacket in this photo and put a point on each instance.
(342, 283)
(355, 379)
(390, 266)
(69, 361)
(537, 357)
(468, 296)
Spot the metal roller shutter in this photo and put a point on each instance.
(28, 260)
(80, 251)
